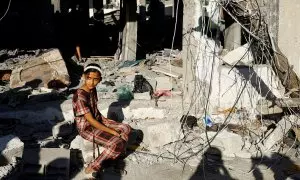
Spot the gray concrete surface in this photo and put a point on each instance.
(288, 31)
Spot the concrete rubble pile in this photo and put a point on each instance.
(51, 124)
(146, 94)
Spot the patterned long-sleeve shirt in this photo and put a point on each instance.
(85, 102)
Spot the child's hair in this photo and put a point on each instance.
(92, 68)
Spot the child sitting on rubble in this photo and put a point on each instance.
(92, 125)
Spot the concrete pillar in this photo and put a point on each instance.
(56, 5)
(129, 41)
(190, 42)
(91, 8)
(232, 39)
(142, 10)
(197, 56)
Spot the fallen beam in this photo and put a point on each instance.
(172, 71)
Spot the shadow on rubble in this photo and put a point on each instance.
(115, 110)
(211, 166)
(260, 86)
(282, 166)
(18, 97)
(119, 165)
(29, 118)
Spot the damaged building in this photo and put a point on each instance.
(209, 88)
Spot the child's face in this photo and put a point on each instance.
(92, 79)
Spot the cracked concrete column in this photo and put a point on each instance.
(192, 10)
(129, 41)
(198, 53)
(56, 5)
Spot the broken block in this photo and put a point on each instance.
(142, 96)
(241, 56)
(47, 161)
(157, 134)
(10, 147)
(47, 70)
(282, 128)
(229, 143)
(163, 83)
(86, 148)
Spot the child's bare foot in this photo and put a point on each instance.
(89, 170)
(91, 173)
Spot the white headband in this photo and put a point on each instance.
(93, 67)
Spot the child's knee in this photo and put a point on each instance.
(120, 145)
(127, 128)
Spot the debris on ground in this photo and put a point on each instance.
(46, 70)
(132, 90)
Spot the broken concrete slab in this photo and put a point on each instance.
(282, 128)
(163, 83)
(288, 102)
(47, 112)
(46, 161)
(86, 147)
(10, 147)
(159, 133)
(127, 70)
(265, 107)
(229, 143)
(262, 83)
(239, 56)
(232, 39)
(138, 113)
(169, 70)
(7, 171)
(76, 143)
(47, 70)
(142, 96)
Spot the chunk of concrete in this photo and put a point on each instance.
(282, 127)
(47, 70)
(233, 36)
(6, 171)
(139, 113)
(229, 143)
(265, 107)
(159, 133)
(47, 161)
(239, 56)
(163, 83)
(262, 83)
(142, 96)
(10, 147)
(169, 70)
(76, 143)
(87, 148)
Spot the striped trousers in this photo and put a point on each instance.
(113, 145)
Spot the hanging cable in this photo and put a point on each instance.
(7, 9)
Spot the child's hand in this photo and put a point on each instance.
(123, 137)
